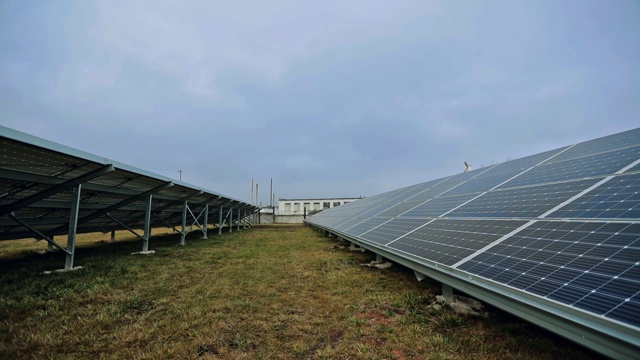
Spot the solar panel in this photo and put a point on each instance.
(553, 237)
(40, 181)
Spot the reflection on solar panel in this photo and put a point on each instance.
(553, 237)
(48, 190)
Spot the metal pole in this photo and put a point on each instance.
(220, 222)
(50, 246)
(245, 219)
(147, 225)
(231, 220)
(183, 234)
(257, 197)
(271, 194)
(73, 226)
(206, 221)
(251, 192)
(238, 219)
(113, 236)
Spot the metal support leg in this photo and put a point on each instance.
(379, 258)
(245, 217)
(231, 220)
(238, 219)
(113, 236)
(73, 226)
(447, 292)
(220, 222)
(183, 234)
(50, 246)
(206, 221)
(147, 226)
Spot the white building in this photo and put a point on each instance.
(297, 206)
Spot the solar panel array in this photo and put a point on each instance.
(34, 173)
(563, 226)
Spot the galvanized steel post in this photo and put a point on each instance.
(220, 221)
(206, 221)
(238, 219)
(231, 220)
(73, 226)
(183, 234)
(147, 225)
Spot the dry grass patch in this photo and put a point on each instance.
(272, 292)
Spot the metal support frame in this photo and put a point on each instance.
(108, 209)
(141, 237)
(220, 223)
(183, 233)
(238, 219)
(206, 221)
(166, 223)
(447, 292)
(73, 226)
(38, 233)
(113, 236)
(147, 225)
(6, 209)
(230, 216)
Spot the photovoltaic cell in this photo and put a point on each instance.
(615, 141)
(592, 266)
(619, 198)
(529, 202)
(366, 225)
(448, 241)
(482, 184)
(391, 230)
(595, 165)
(438, 206)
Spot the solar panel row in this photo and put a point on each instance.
(563, 226)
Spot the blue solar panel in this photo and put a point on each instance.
(615, 141)
(561, 226)
(438, 206)
(595, 165)
(579, 264)
(618, 198)
(530, 202)
(448, 241)
(392, 230)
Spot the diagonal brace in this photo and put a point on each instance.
(50, 241)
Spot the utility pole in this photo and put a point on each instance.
(271, 195)
(180, 171)
(251, 201)
(257, 197)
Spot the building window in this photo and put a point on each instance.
(316, 206)
(296, 207)
(336, 203)
(287, 207)
(307, 206)
(326, 205)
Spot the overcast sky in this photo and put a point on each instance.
(328, 98)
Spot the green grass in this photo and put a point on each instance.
(272, 292)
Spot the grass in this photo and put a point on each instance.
(272, 292)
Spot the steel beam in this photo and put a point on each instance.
(206, 221)
(6, 209)
(220, 221)
(108, 209)
(183, 234)
(147, 225)
(73, 225)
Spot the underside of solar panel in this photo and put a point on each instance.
(48, 190)
(553, 238)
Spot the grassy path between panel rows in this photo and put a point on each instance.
(271, 292)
